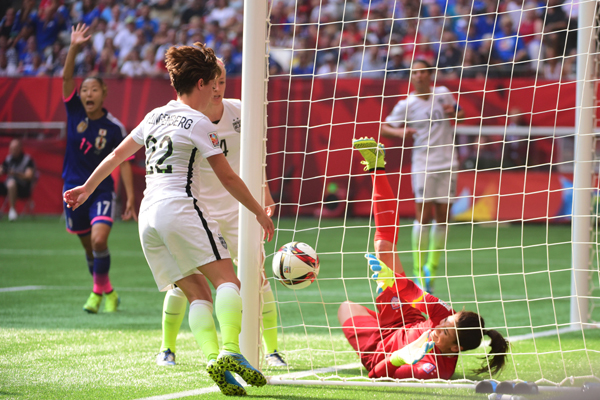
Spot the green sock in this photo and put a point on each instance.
(420, 241)
(228, 307)
(173, 313)
(269, 318)
(436, 247)
(202, 325)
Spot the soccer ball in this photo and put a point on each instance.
(296, 265)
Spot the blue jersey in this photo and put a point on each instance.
(88, 143)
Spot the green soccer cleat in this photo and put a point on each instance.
(236, 362)
(372, 152)
(93, 303)
(112, 302)
(228, 385)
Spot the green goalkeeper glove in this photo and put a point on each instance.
(383, 275)
(413, 352)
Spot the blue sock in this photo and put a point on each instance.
(90, 263)
(101, 267)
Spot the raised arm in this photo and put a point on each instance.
(78, 39)
(77, 196)
(238, 189)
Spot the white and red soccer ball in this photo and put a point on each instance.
(296, 265)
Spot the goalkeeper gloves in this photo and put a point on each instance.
(413, 352)
(382, 274)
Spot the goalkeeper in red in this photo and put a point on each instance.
(398, 341)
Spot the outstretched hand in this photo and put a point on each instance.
(78, 35)
(75, 197)
(267, 224)
(382, 274)
(413, 352)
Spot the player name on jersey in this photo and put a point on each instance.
(170, 120)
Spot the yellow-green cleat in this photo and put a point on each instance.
(228, 385)
(93, 303)
(372, 152)
(112, 302)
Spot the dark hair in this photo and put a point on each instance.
(470, 328)
(422, 61)
(188, 64)
(97, 79)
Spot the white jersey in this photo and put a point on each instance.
(177, 138)
(434, 140)
(213, 196)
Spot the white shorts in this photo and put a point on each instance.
(177, 237)
(228, 224)
(435, 186)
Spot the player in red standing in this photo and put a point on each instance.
(398, 341)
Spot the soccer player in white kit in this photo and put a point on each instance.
(178, 237)
(225, 115)
(425, 115)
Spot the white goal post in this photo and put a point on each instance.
(255, 133)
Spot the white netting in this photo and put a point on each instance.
(337, 68)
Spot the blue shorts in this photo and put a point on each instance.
(97, 209)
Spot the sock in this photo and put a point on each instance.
(228, 307)
(203, 328)
(173, 313)
(101, 268)
(269, 319)
(436, 246)
(420, 241)
(385, 208)
(90, 264)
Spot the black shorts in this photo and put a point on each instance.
(23, 190)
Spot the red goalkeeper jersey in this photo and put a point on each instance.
(401, 319)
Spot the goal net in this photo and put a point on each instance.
(520, 247)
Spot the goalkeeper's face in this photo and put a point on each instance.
(444, 335)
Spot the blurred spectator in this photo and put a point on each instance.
(396, 67)
(48, 22)
(132, 67)
(99, 35)
(555, 26)
(107, 64)
(530, 30)
(115, 23)
(233, 64)
(148, 25)
(19, 169)
(450, 55)
(87, 12)
(508, 46)
(552, 66)
(223, 14)
(304, 64)
(6, 24)
(7, 69)
(12, 57)
(126, 38)
(195, 9)
(52, 61)
(330, 67)
(35, 68)
(23, 16)
(148, 66)
(162, 10)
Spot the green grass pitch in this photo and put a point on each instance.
(50, 349)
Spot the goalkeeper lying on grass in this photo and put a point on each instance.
(398, 341)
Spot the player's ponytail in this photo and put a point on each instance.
(470, 331)
(499, 349)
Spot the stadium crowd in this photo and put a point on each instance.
(369, 38)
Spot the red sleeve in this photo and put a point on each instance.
(382, 369)
(426, 303)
